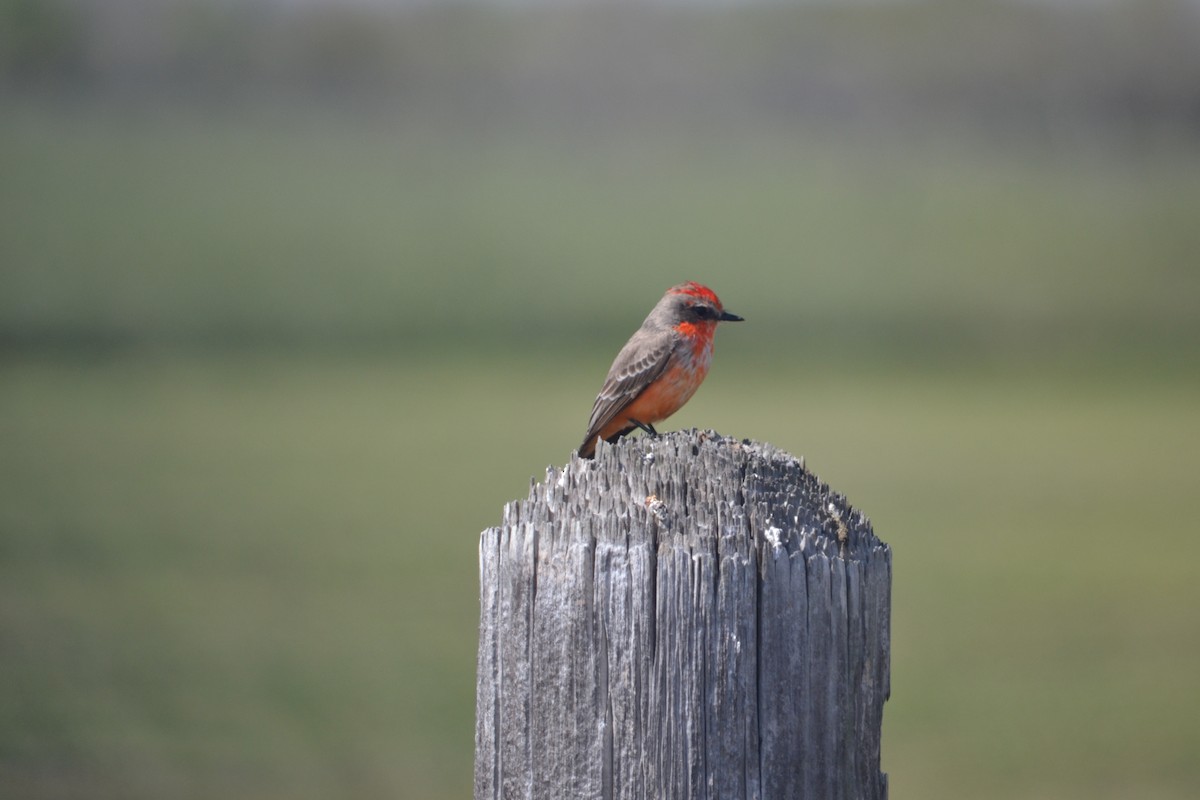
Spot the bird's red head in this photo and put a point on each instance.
(698, 291)
(696, 309)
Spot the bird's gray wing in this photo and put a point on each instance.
(641, 361)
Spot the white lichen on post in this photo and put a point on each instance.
(683, 617)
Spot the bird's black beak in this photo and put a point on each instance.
(727, 317)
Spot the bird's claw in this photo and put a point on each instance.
(646, 427)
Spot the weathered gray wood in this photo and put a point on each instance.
(683, 617)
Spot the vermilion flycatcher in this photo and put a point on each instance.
(660, 367)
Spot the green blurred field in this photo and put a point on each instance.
(198, 227)
(263, 382)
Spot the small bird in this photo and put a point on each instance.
(660, 367)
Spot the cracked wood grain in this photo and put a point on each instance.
(683, 617)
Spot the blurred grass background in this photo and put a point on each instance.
(293, 297)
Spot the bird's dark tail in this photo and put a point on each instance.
(588, 448)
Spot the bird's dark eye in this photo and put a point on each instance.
(704, 312)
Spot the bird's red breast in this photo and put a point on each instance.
(667, 393)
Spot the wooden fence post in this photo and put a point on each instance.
(684, 617)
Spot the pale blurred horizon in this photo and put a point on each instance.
(1049, 73)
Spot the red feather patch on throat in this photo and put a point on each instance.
(693, 330)
(700, 336)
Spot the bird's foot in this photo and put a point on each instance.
(645, 426)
